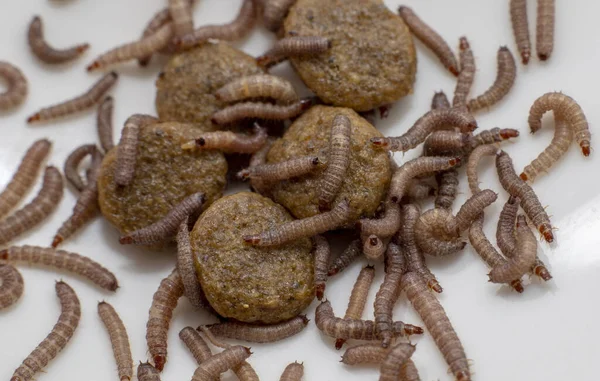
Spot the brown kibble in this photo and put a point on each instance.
(338, 161)
(16, 86)
(296, 46)
(520, 25)
(505, 79)
(119, 340)
(258, 333)
(11, 286)
(47, 53)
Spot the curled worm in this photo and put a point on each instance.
(523, 259)
(439, 101)
(505, 79)
(146, 372)
(181, 14)
(258, 86)
(322, 253)
(55, 342)
(306, 227)
(430, 38)
(338, 162)
(395, 359)
(16, 84)
(72, 163)
(80, 103)
(127, 148)
(47, 53)
(255, 333)
(474, 158)
(292, 372)
(11, 286)
(283, 170)
(466, 75)
(353, 251)
(275, 12)
(230, 142)
(293, 47)
(544, 43)
(386, 226)
(157, 21)
(520, 26)
(186, 268)
(473, 207)
(119, 340)
(257, 110)
(230, 358)
(104, 123)
(433, 236)
(563, 137)
(374, 247)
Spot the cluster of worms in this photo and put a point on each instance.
(544, 28)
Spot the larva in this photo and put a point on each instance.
(181, 14)
(159, 19)
(544, 43)
(79, 103)
(374, 247)
(127, 148)
(259, 158)
(166, 227)
(258, 86)
(431, 121)
(353, 251)
(146, 372)
(474, 159)
(430, 38)
(388, 293)
(565, 108)
(445, 142)
(221, 362)
(414, 257)
(472, 208)
(274, 13)
(416, 167)
(291, 47)
(230, 142)
(16, 84)
(58, 338)
(47, 53)
(505, 79)
(419, 190)
(440, 101)
(355, 329)
(523, 259)
(292, 372)
(104, 123)
(338, 161)
(358, 297)
(119, 340)
(322, 253)
(37, 210)
(438, 325)
(306, 227)
(260, 333)
(72, 163)
(386, 226)
(164, 302)
(196, 344)
(433, 236)
(11, 286)
(491, 136)
(409, 372)
(186, 268)
(368, 353)
(395, 359)
(283, 170)
(447, 188)
(529, 200)
(257, 110)
(560, 144)
(520, 26)
(466, 75)
(235, 30)
(25, 175)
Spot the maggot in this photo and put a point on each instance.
(119, 340)
(292, 372)
(181, 14)
(338, 161)
(221, 362)
(395, 359)
(127, 148)
(104, 123)
(505, 79)
(257, 110)
(466, 76)
(258, 86)
(186, 268)
(544, 44)
(47, 53)
(283, 170)
(388, 293)
(520, 26)
(563, 137)
(11, 286)
(352, 252)
(16, 83)
(230, 142)
(256, 333)
(293, 46)
(386, 226)
(71, 166)
(322, 253)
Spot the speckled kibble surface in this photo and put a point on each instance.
(164, 175)
(372, 60)
(186, 87)
(368, 175)
(247, 283)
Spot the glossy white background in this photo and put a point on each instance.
(549, 332)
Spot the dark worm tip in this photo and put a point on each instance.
(93, 66)
(200, 142)
(33, 118)
(543, 56)
(339, 343)
(523, 176)
(56, 241)
(585, 150)
(126, 240)
(4, 254)
(320, 291)
(454, 71)
(304, 318)
(253, 240)
(331, 272)
(82, 48)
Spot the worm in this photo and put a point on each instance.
(235, 30)
(283, 170)
(416, 167)
(164, 302)
(466, 75)
(491, 136)
(196, 344)
(157, 21)
(565, 108)
(447, 188)
(47, 53)
(544, 42)
(292, 372)
(338, 161)
(260, 333)
(25, 175)
(274, 13)
(230, 142)
(438, 324)
(258, 86)
(221, 362)
(166, 227)
(127, 148)
(37, 210)
(118, 338)
(16, 84)
(395, 359)
(181, 14)
(11, 286)
(523, 259)
(353, 251)
(358, 297)
(520, 26)
(505, 79)
(529, 200)
(374, 246)
(355, 329)
(258, 110)
(440, 101)
(414, 257)
(322, 253)
(474, 159)
(409, 371)
(186, 268)
(58, 338)
(431, 121)
(257, 159)
(295, 46)
(472, 208)
(72, 163)
(104, 123)
(429, 38)
(436, 235)
(146, 372)
(368, 353)
(306, 227)
(445, 142)
(80, 103)
(386, 226)
(545, 160)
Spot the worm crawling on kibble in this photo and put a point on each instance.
(119, 340)
(306, 227)
(57, 340)
(338, 161)
(16, 86)
(71, 166)
(127, 148)
(386, 226)
(351, 253)
(11, 286)
(47, 53)
(395, 359)
(80, 103)
(181, 14)
(256, 333)
(524, 258)
(274, 13)
(146, 372)
(283, 170)
(230, 358)
(520, 26)
(373, 246)
(258, 110)
(25, 175)
(322, 252)
(491, 136)
(530, 203)
(164, 302)
(563, 137)
(258, 86)
(230, 142)
(292, 47)
(186, 268)
(430, 38)
(505, 79)
(165, 228)
(544, 42)
(431, 121)
(104, 123)
(466, 76)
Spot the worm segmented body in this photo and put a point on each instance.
(520, 25)
(230, 358)
(322, 253)
(374, 247)
(433, 236)
(353, 251)
(419, 190)
(283, 170)
(11, 286)
(444, 142)
(292, 372)
(71, 166)
(258, 86)
(260, 333)
(447, 188)
(119, 340)
(338, 162)
(196, 344)
(45, 52)
(292, 47)
(439, 101)
(491, 136)
(257, 110)
(181, 14)
(544, 43)
(395, 359)
(368, 353)
(159, 19)
(146, 372)
(104, 123)
(186, 268)
(563, 137)
(230, 142)
(466, 76)
(16, 84)
(127, 148)
(505, 79)
(275, 12)
(523, 259)
(386, 226)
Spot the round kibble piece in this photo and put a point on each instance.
(366, 180)
(186, 87)
(164, 175)
(371, 61)
(249, 283)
